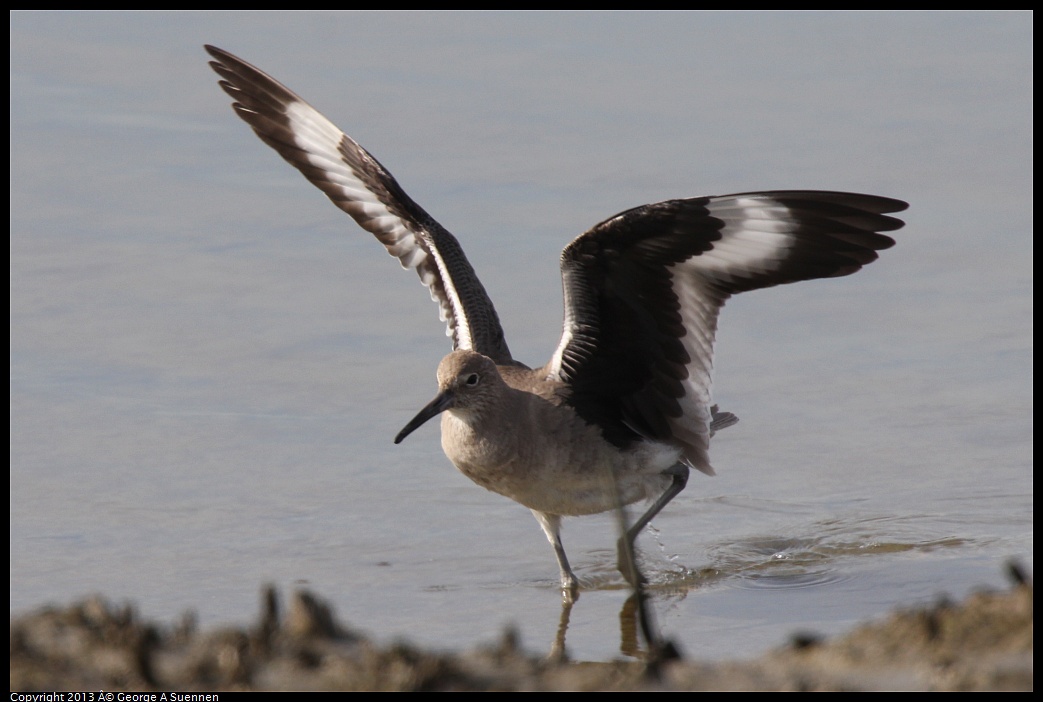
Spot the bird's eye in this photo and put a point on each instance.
(472, 379)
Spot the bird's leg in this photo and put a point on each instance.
(551, 524)
(625, 547)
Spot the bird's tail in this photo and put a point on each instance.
(721, 420)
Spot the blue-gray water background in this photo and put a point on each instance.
(209, 361)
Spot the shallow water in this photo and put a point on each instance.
(209, 361)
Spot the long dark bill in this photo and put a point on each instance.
(442, 401)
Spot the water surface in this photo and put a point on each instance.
(209, 361)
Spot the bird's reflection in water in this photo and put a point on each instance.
(639, 635)
(653, 650)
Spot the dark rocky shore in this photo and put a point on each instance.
(982, 643)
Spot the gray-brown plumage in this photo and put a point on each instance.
(623, 407)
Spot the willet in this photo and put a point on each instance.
(622, 410)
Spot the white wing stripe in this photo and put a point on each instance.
(756, 237)
(320, 140)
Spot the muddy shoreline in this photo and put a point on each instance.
(981, 643)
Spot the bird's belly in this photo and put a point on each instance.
(556, 478)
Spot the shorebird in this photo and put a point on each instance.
(623, 410)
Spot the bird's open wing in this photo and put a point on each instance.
(358, 184)
(643, 291)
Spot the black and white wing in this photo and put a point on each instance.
(358, 184)
(643, 291)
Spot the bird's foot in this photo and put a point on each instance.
(569, 589)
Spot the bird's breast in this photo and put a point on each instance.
(564, 468)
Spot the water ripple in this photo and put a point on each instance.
(801, 561)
